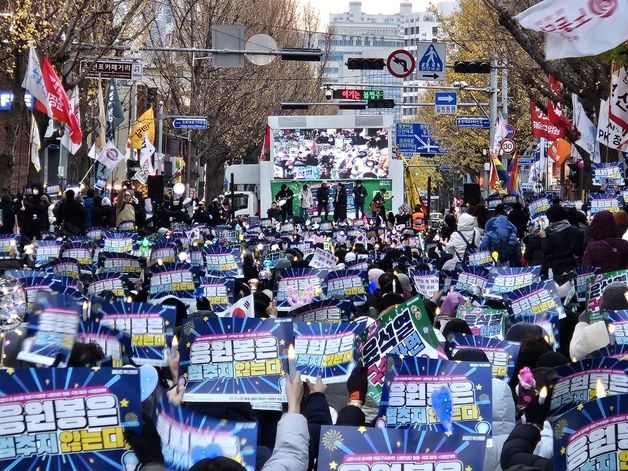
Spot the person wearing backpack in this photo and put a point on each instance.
(501, 236)
(466, 238)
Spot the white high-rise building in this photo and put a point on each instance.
(360, 34)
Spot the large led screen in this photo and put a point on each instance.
(334, 154)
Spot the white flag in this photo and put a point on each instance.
(75, 109)
(618, 103)
(609, 133)
(146, 152)
(585, 127)
(578, 28)
(110, 156)
(500, 133)
(34, 81)
(245, 307)
(35, 144)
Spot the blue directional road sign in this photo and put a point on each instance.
(446, 102)
(415, 138)
(431, 63)
(473, 122)
(189, 123)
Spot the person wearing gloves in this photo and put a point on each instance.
(291, 445)
(466, 237)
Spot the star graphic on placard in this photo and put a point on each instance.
(612, 408)
(398, 444)
(468, 468)
(282, 342)
(333, 465)
(427, 450)
(167, 322)
(10, 371)
(188, 345)
(124, 403)
(563, 450)
(205, 318)
(478, 387)
(580, 406)
(362, 429)
(480, 418)
(95, 368)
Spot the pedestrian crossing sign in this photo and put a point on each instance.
(431, 64)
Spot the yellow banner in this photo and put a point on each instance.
(144, 126)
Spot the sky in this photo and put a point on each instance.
(325, 7)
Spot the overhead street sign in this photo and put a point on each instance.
(431, 61)
(189, 123)
(473, 122)
(415, 138)
(400, 63)
(446, 102)
(112, 68)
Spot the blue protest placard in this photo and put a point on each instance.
(612, 351)
(50, 332)
(405, 330)
(299, 286)
(118, 242)
(83, 253)
(468, 279)
(68, 418)
(617, 322)
(46, 251)
(9, 245)
(121, 263)
(480, 258)
(150, 327)
(188, 437)
(218, 291)
(506, 280)
(112, 342)
(234, 359)
(37, 283)
(538, 206)
(538, 304)
(114, 283)
(604, 202)
(577, 382)
(224, 260)
(582, 281)
(609, 173)
(63, 267)
(163, 252)
(364, 449)
(178, 280)
(592, 436)
(502, 355)
(347, 284)
(333, 310)
(407, 397)
(484, 321)
(326, 350)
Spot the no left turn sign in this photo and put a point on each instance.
(400, 63)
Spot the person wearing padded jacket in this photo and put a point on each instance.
(605, 250)
(467, 234)
(500, 236)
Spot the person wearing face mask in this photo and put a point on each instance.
(33, 210)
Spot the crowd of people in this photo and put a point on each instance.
(390, 247)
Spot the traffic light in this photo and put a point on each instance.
(472, 67)
(151, 96)
(294, 106)
(363, 63)
(381, 103)
(352, 105)
(574, 174)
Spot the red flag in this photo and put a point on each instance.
(264, 155)
(555, 86)
(556, 117)
(59, 102)
(541, 125)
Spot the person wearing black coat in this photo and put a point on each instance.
(518, 449)
(34, 215)
(322, 199)
(563, 244)
(519, 218)
(72, 215)
(340, 203)
(8, 214)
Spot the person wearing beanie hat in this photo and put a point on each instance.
(456, 326)
(470, 354)
(605, 250)
(562, 243)
(521, 330)
(621, 221)
(406, 285)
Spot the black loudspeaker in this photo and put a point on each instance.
(156, 188)
(472, 193)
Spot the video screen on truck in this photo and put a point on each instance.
(330, 153)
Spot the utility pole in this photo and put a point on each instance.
(160, 131)
(493, 101)
(504, 96)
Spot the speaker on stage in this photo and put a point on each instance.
(472, 193)
(156, 188)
